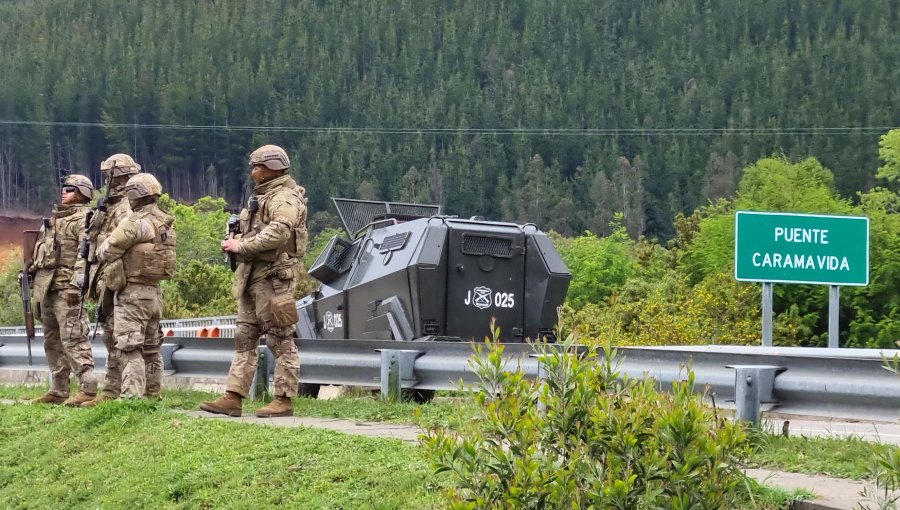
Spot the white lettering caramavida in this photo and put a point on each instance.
(797, 261)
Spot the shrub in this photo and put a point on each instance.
(586, 438)
(665, 310)
(599, 266)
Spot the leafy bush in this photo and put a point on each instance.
(10, 300)
(598, 265)
(199, 289)
(583, 438)
(202, 282)
(666, 310)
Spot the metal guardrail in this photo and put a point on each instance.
(847, 383)
(221, 326)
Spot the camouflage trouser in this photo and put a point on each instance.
(153, 362)
(112, 382)
(138, 311)
(254, 319)
(66, 345)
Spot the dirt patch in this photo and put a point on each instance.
(11, 228)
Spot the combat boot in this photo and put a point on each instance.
(281, 406)
(97, 400)
(49, 398)
(228, 404)
(79, 398)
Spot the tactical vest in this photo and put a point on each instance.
(57, 247)
(253, 223)
(56, 251)
(152, 261)
(105, 222)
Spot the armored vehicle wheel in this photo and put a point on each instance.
(308, 390)
(418, 396)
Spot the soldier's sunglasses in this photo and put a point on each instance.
(69, 189)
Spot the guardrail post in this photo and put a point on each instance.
(166, 350)
(260, 387)
(396, 368)
(752, 387)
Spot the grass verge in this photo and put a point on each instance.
(848, 457)
(135, 454)
(443, 411)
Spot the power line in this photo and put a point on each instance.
(674, 131)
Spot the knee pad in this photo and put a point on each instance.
(130, 341)
(279, 345)
(246, 337)
(113, 358)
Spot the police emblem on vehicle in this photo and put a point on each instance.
(479, 297)
(333, 321)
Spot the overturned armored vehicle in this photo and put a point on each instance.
(406, 273)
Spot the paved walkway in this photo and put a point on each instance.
(406, 433)
(833, 493)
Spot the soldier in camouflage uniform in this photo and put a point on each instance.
(110, 210)
(140, 253)
(272, 240)
(58, 297)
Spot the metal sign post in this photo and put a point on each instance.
(834, 310)
(801, 248)
(767, 314)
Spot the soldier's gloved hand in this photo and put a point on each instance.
(72, 296)
(79, 280)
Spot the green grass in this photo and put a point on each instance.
(135, 454)
(359, 405)
(841, 457)
(53, 443)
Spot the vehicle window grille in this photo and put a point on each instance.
(339, 256)
(474, 244)
(393, 242)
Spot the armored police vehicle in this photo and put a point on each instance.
(405, 272)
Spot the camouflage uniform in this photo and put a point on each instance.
(106, 218)
(141, 253)
(273, 239)
(65, 336)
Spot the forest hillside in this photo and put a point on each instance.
(561, 113)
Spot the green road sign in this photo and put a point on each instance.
(801, 248)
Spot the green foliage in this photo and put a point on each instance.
(842, 457)
(202, 282)
(584, 439)
(667, 310)
(870, 316)
(884, 468)
(200, 228)
(11, 312)
(872, 313)
(199, 289)
(598, 265)
(771, 184)
(889, 152)
(753, 73)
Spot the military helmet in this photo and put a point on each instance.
(119, 164)
(81, 183)
(272, 157)
(142, 185)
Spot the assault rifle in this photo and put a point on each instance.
(233, 229)
(83, 251)
(30, 239)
